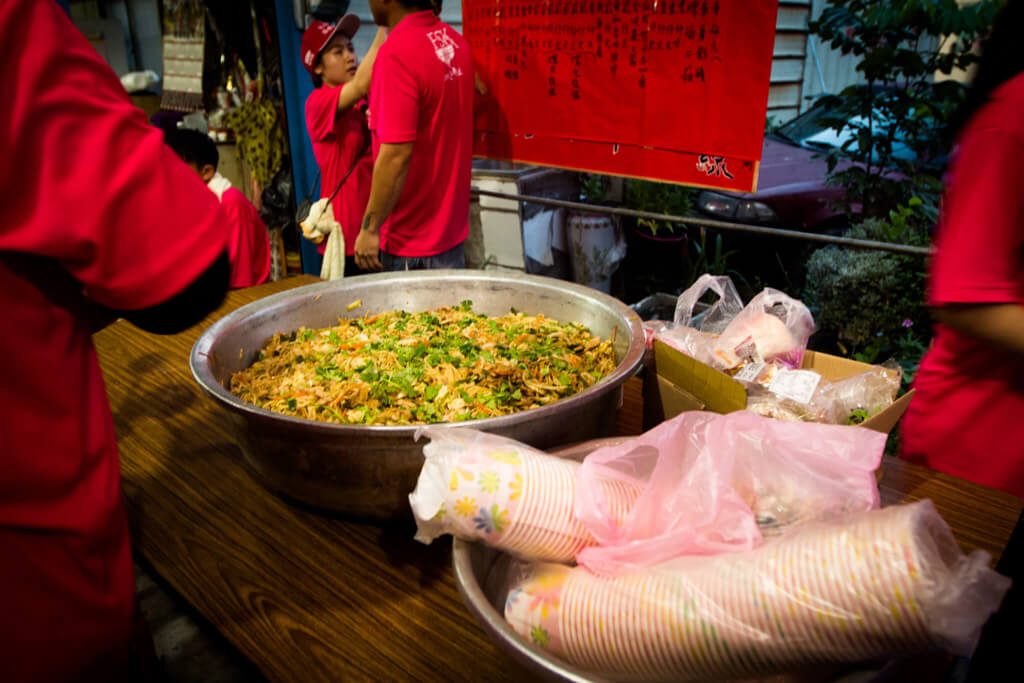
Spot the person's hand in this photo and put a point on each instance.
(367, 251)
(481, 87)
(307, 232)
(309, 226)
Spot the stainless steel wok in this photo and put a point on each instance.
(368, 471)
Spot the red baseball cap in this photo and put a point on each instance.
(319, 33)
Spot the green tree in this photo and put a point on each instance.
(898, 118)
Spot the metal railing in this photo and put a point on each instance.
(712, 223)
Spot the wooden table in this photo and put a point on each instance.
(309, 597)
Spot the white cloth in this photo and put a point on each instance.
(320, 223)
(542, 233)
(218, 184)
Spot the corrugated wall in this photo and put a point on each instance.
(826, 70)
(788, 59)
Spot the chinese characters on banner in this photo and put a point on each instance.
(671, 90)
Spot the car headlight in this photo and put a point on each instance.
(732, 207)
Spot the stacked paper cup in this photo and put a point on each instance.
(479, 486)
(890, 581)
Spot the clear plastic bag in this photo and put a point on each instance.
(772, 326)
(848, 401)
(716, 483)
(763, 402)
(856, 398)
(728, 334)
(688, 341)
(715, 319)
(873, 585)
(480, 486)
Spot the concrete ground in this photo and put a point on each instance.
(190, 649)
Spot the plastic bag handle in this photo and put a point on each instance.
(720, 284)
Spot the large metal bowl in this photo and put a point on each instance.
(368, 471)
(483, 576)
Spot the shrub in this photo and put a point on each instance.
(871, 303)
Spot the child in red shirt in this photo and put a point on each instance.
(966, 415)
(249, 244)
(336, 120)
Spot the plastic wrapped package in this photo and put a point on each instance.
(856, 398)
(772, 326)
(763, 402)
(878, 584)
(479, 486)
(849, 401)
(713, 483)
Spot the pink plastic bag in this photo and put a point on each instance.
(718, 483)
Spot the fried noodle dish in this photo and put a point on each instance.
(446, 365)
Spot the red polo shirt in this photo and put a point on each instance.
(248, 243)
(422, 92)
(966, 416)
(337, 138)
(95, 206)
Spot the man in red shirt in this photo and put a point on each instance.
(249, 241)
(336, 121)
(421, 116)
(98, 212)
(966, 416)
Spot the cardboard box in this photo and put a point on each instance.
(679, 383)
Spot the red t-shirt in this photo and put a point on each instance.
(966, 417)
(95, 205)
(249, 242)
(422, 92)
(337, 138)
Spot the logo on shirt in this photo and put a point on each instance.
(444, 48)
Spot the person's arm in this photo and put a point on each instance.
(389, 174)
(178, 313)
(359, 86)
(1001, 325)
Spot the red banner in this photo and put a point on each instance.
(672, 90)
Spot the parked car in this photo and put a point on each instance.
(791, 188)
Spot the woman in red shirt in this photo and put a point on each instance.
(336, 120)
(967, 416)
